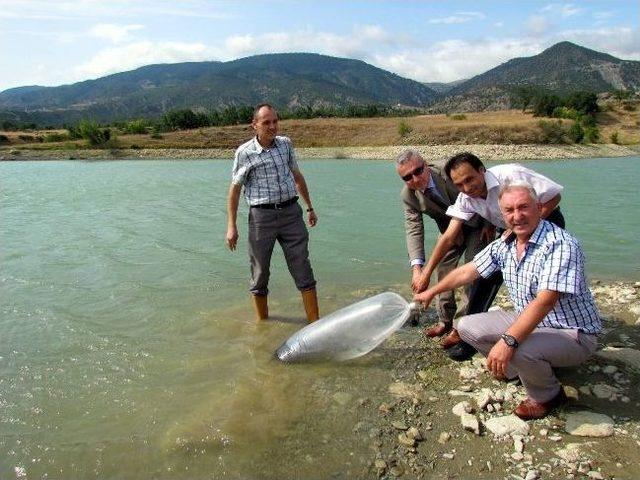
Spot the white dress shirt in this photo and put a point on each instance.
(465, 206)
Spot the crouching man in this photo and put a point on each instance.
(555, 322)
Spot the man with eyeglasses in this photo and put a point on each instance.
(479, 188)
(428, 192)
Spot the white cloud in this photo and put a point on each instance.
(537, 25)
(455, 59)
(128, 57)
(114, 33)
(460, 17)
(564, 9)
(621, 42)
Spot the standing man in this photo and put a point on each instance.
(267, 168)
(428, 192)
(555, 321)
(479, 188)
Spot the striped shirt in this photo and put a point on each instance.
(553, 260)
(265, 172)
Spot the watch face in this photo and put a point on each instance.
(509, 340)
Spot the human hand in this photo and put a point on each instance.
(312, 218)
(232, 237)
(488, 233)
(422, 283)
(499, 358)
(425, 298)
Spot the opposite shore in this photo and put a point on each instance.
(496, 152)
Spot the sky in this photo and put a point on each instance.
(51, 42)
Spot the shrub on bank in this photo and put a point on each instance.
(404, 129)
(552, 132)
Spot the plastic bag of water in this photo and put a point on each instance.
(350, 332)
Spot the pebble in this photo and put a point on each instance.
(399, 425)
(444, 437)
(405, 440)
(589, 424)
(397, 471)
(414, 433)
(381, 464)
(470, 422)
(507, 425)
(449, 456)
(532, 475)
(462, 407)
(602, 390)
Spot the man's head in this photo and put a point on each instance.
(265, 123)
(520, 208)
(466, 171)
(412, 169)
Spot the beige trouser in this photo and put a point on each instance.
(446, 305)
(534, 359)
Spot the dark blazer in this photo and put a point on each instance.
(416, 204)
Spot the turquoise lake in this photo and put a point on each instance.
(128, 347)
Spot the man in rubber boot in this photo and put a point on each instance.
(267, 168)
(428, 192)
(479, 189)
(555, 321)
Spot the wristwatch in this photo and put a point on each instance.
(510, 340)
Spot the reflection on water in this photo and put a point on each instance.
(128, 346)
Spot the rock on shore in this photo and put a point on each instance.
(432, 153)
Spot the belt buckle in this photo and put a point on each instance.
(277, 206)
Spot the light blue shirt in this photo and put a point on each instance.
(553, 260)
(266, 173)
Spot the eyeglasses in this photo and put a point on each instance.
(417, 172)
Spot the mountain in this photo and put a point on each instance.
(441, 87)
(286, 80)
(562, 68)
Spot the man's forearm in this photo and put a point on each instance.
(233, 199)
(547, 207)
(443, 245)
(463, 275)
(303, 190)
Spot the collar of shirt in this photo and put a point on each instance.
(260, 148)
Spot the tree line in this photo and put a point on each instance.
(579, 106)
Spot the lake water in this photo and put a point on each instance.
(128, 347)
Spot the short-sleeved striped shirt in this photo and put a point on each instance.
(553, 260)
(265, 172)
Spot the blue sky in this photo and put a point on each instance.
(51, 42)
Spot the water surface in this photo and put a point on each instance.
(128, 347)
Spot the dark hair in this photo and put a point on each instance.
(258, 107)
(459, 159)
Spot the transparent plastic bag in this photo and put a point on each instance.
(350, 332)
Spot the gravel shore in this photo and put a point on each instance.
(442, 419)
(431, 152)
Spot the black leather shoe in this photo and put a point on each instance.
(461, 351)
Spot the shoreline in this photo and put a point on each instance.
(489, 152)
